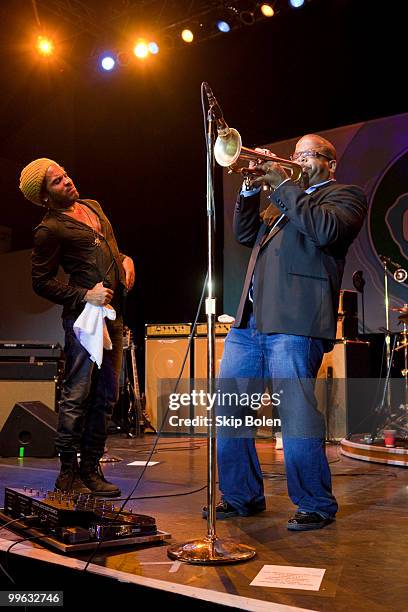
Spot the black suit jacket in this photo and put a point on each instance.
(298, 271)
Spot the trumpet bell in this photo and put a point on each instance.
(227, 148)
(228, 151)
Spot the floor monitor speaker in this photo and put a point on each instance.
(29, 431)
(14, 391)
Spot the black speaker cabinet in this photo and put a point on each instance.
(344, 390)
(348, 303)
(31, 426)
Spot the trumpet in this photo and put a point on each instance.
(229, 153)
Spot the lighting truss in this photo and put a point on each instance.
(110, 18)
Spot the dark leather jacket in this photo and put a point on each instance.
(60, 240)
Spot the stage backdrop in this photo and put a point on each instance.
(373, 155)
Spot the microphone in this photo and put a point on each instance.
(222, 127)
(388, 260)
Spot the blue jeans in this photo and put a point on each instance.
(290, 364)
(89, 394)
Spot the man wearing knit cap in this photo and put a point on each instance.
(76, 235)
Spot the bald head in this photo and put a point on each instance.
(315, 142)
(317, 156)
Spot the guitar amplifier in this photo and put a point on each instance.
(29, 350)
(221, 329)
(161, 330)
(166, 347)
(27, 370)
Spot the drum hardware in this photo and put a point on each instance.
(398, 417)
(400, 274)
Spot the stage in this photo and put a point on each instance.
(361, 552)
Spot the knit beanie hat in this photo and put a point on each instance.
(32, 179)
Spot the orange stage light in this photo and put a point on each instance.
(44, 46)
(141, 49)
(267, 10)
(187, 36)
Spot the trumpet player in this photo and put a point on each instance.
(286, 321)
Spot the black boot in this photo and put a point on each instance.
(92, 475)
(68, 480)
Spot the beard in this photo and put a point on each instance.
(64, 200)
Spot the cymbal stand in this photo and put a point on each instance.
(385, 406)
(404, 371)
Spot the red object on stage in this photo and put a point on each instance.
(389, 437)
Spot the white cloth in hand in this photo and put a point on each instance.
(91, 330)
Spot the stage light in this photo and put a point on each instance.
(223, 26)
(108, 62)
(45, 46)
(296, 3)
(153, 48)
(141, 49)
(267, 10)
(187, 36)
(247, 17)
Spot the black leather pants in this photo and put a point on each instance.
(89, 394)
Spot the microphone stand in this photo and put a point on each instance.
(387, 313)
(388, 334)
(211, 550)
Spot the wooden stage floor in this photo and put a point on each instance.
(364, 553)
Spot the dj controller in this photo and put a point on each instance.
(71, 523)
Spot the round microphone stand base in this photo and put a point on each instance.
(211, 552)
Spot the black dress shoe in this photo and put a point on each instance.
(306, 521)
(223, 510)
